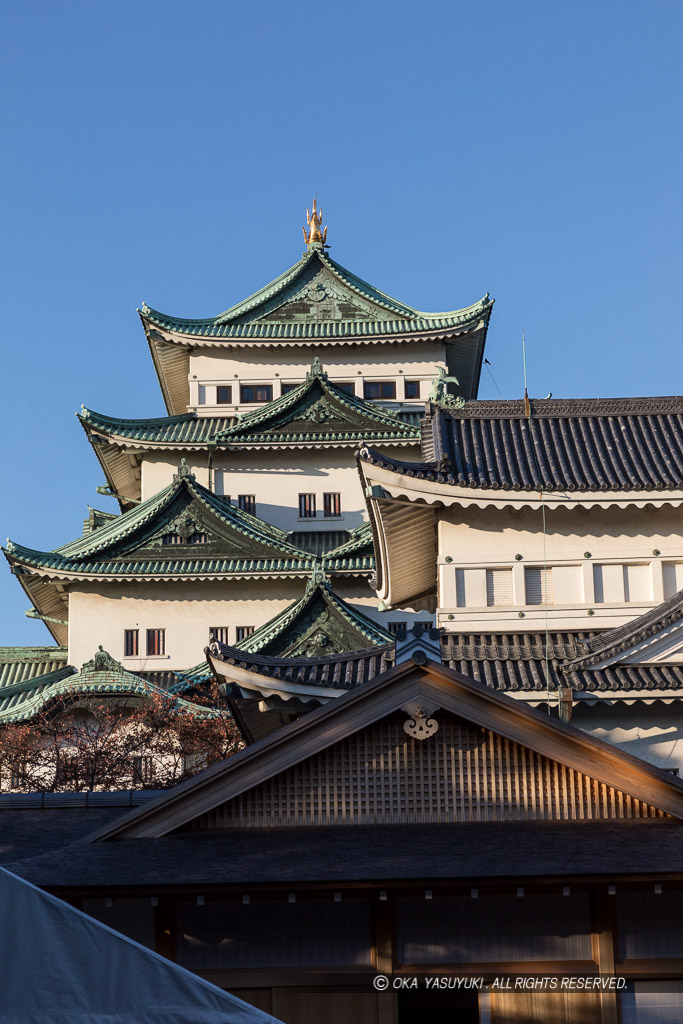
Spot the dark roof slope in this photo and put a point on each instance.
(614, 444)
(339, 671)
(613, 641)
(555, 849)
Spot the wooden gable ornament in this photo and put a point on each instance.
(354, 763)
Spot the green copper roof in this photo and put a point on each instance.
(101, 675)
(320, 622)
(354, 415)
(318, 298)
(317, 411)
(357, 554)
(210, 537)
(18, 664)
(185, 429)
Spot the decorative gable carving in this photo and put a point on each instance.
(461, 772)
(324, 298)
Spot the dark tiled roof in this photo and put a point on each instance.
(613, 641)
(343, 672)
(32, 824)
(517, 662)
(356, 853)
(568, 445)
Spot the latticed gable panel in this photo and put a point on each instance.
(380, 775)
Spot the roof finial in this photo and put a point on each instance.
(314, 237)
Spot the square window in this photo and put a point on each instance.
(379, 389)
(307, 506)
(243, 632)
(247, 503)
(347, 386)
(286, 388)
(256, 393)
(332, 504)
(156, 641)
(130, 643)
(224, 394)
(412, 388)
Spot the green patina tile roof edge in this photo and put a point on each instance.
(318, 584)
(110, 678)
(187, 428)
(354, 555)
(409, 319)
(42, 652)
(389, 427)
(72, 557)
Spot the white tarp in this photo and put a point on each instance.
(59, 966)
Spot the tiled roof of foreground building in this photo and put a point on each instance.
(570, 444)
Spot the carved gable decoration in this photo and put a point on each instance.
(192, 532)
(322, 297)
(460, 772)
(319, 629)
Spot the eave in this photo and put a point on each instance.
(425, 483)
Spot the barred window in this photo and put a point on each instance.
(224, 394)
(171, 538)
(156, 641)
(219, 633)
(256, 393)
(243, 632)
(307, 506)
(394, 627)
(247, 503)
(332, 504)
(143, 769)
(130, 642)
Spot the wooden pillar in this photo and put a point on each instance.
(604, 940)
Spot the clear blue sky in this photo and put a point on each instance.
(166, 151)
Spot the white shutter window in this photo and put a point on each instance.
(637, 583)
(538, 585)
(673, 578)
(202, 394)
(498, 587)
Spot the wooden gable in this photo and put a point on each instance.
(419, 744)
(464, 772)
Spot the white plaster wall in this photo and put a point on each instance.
(100, 612)
(289, 364)
(472, 540)
(651, 731)
(277, 478)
